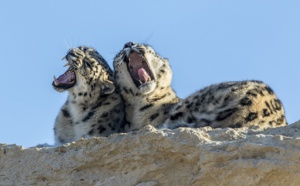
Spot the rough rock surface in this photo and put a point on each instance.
(151, 157)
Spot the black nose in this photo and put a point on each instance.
(128, 45)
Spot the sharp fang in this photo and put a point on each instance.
(55, 80)
(67, 64)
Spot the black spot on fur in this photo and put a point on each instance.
(113, 98)
(237, 125)
(203, 123)
(159, 98)
(268, 105)
(225, 114)
(125, 90)
(106, 103)
(269, 90)
(280, 120)
(80, 94)
(266, 112)
(101, 129)
(91, 132)
(61, 140)
(85, 94)
(176, 116)
(88, 116)
(66, 113)
(190, 119)
(246, 102)
(146, 107)
(251, 116)
(130, 90)
(252, 93)
(154, 116)
(162, 71)
(178, 107)
(278, 104)
(226, 99)
(104, 115)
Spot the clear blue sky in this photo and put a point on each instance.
(206, 42)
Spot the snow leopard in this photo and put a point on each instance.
(144, 80)
(93, 107)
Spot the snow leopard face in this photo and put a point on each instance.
(141, 70)
(87, 70)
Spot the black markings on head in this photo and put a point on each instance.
(251, 116)
(80, 94)
(66, 113)
(246, 102)
(225, 114)
(106, 103)
(154, 116)
(146, 107)
(176, 116)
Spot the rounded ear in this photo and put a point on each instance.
(107, 87)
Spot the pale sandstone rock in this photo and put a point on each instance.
(151, 157)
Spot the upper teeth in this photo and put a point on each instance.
(67, 64)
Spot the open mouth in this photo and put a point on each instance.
(138, 68)
(66, 80)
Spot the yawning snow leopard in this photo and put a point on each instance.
(93, 108)
(144, 80)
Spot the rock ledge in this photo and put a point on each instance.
(151, 157)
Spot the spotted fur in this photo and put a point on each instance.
(150, 99)
(229, 104)
(93, 108)
(144, 80)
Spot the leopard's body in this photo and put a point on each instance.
(93, 108)
(229, 104)
(144, 81)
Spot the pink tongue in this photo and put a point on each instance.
(143, 75)
(65, 78)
